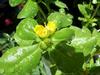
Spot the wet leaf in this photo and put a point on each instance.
(25, 29)
(82, 9)
(30, 10)
(20, 60)
(65, 58)
(60, 4)
(64, 34)
(14, 3)
(83, 40)
(22, 42)
(61, 20)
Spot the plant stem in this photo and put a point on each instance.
(85, 72)
(93, 15)
(95, 11)
(41, 11)
(46, 6)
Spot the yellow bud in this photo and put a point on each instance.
(51, 27)
(41, 31)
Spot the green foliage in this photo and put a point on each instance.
(65, 34)
(30, 10)
(65, 58)
(62, 20)
(85, 42)
(15, 60)
(14, 3)
(69, 50)
(60, 4)
(82, 9)
(25, 29)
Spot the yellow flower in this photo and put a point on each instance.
(51, 27)
(41, 31)
(46, 31)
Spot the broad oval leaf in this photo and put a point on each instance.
(22, 42)
(83, 40)
(25, 29)
(20, 60)
(30, 10)
(84, 45)
(65, 59)
(14, 3)
(64, 34)
(62, 20)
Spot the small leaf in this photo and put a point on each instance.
(25, 29)
(14, 3)
(82, 9)
(58, 72)
(64, 34)
(30, 10)
(62, 20)
(60, 4)
(20, 60)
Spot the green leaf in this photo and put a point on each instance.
(35, 71)
(14, 3)
(30, 10)
(97, 35)
(20, 60)
(64, 34)
(66, 59)
(2, 41)
(22, 42)
(46, 65)
(84, 45)
(82, 9)
(25, 29)
(62, 20)
(58, 72)
(60, 4)
(83, 41)
(81, 33)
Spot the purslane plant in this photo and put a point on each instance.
(55, 47)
